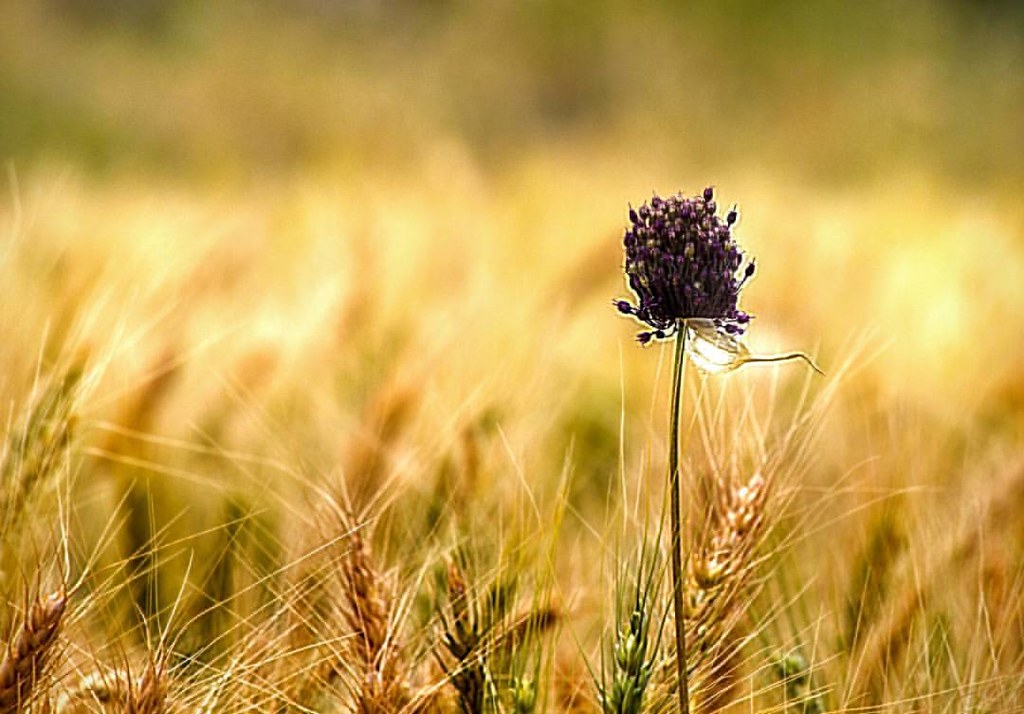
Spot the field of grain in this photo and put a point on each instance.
(316, 398)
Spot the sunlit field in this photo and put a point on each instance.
(316, 396)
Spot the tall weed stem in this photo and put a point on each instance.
(678, 576)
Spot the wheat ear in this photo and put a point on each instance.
(720, 575)
(462, 637)
(383, 687)
(150, 696)
(722, 571)
(36, 450)
(26, 656)
(116, 689)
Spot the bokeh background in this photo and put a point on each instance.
(381, 238)
(874, 152)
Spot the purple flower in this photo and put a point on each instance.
(681, 264)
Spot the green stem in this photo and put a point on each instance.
(677, 528)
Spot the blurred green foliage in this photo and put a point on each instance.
(835, 91)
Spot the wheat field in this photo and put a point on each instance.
(317, 400)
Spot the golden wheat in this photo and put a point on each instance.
(23, 670)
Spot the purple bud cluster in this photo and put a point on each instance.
(682, 263)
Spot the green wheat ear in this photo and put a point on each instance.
(630, 659)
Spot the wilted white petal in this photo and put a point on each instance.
(712, 351)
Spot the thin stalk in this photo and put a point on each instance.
(677, 528)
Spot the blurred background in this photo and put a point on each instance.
(481, 156)
(382, 237)
(874, 151)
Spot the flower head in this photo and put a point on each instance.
(683, 264)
